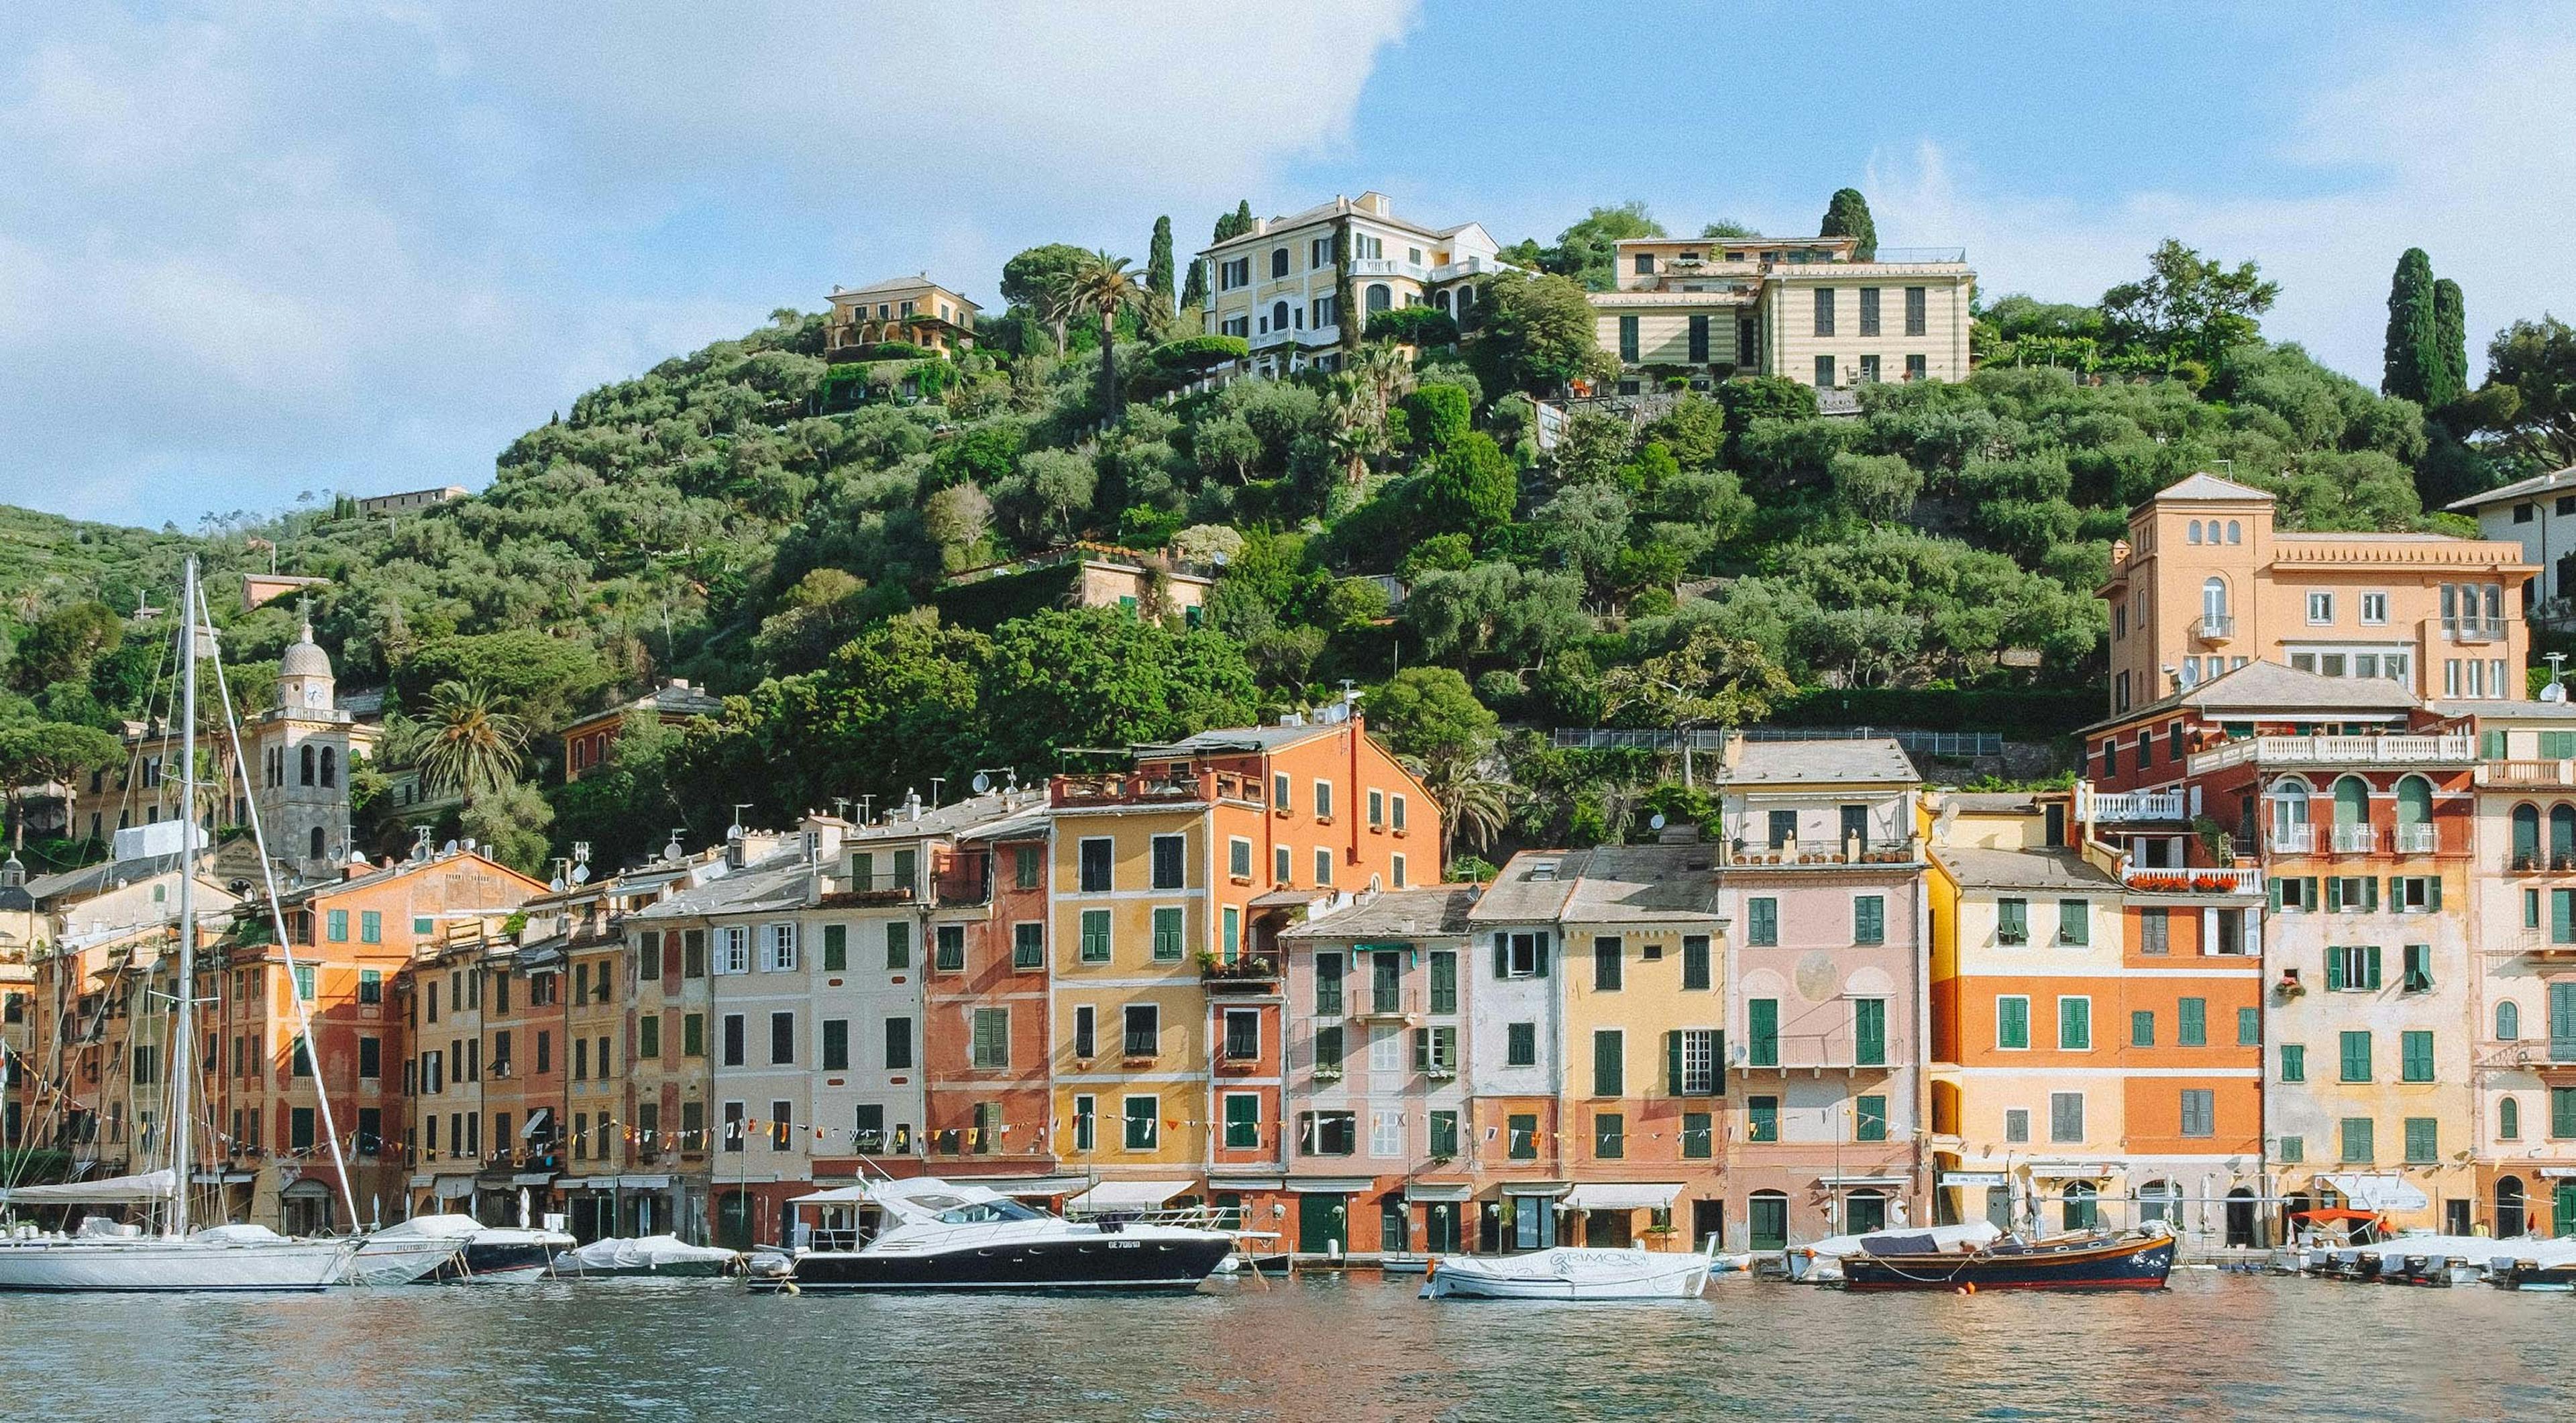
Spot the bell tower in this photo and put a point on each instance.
(303, 770)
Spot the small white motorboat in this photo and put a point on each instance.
(406, 1253)
(1573, 1273)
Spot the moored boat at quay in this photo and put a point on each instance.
(923, 1233)
(2136, 1260)
(1573, 1273)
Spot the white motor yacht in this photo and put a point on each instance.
(924, 1233)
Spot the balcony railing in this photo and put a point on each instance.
(1268, 339)
(2418, 839)
(2191, 879)
(2355, 839)
(2474, 630)
(1854, 851)
(1131, 788)
(2119, 806)
(2219, 628)
(1251, 973)
(2337, 751)
(1831, 1051)
(2553, 774)
(2293, 839)
(2530, 862)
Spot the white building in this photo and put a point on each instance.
(2538, 513)
(1278, 286)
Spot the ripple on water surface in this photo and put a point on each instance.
(1341, 1350)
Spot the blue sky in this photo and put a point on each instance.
(253, 248)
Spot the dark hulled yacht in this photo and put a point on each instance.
(923, 1233)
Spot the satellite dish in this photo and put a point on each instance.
(2554, 692)
(450, 849)
(733, 832)
(981, 783)
(1655, 822)
(581, 874)
(557, 884)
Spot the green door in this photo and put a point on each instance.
(1770, 1221)
(1323, 1224)
(2562, 1203)
(733, 1220)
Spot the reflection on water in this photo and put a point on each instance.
(1355, 1349)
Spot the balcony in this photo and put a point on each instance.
(1363, 267)
(886, 887)
(1403, 1008)
(1137, 788)
(2541, 775)
(2240, 880)
(2120, 807)
(2418, 839)
(2457, 748)
(1253, 973)
(2536, 862)
(963, 880)
(2355, 839)
(1818, 1053)
(1268, 339)
(1468, 267)
(2220, 628)
(2474, 630)
(1820, 853)
(2292, 840)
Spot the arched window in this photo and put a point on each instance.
(2562, 836)
(1380, 297)
(330, 766)
(1440, 300)
(308, 765)
(2235, 532)
(2213, 602)
(2080, 1205)
(2290, 831)
(2508, 1021)
(1278, 316)
(2352, 801)
(2191, 532)
(1279, 262)
(1864, 1210)
(2159, 1200)
(2508, 1119)
(317, 843)
(2526, 837)
(2508, 1207)
(1767, 1220)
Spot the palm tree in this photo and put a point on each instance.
(1356, 424)
(1470, 801)
(1057, 306)
(464, 745)
(1346, 290)
(1103, 286)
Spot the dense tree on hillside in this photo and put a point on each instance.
(2451, 337)
(1158, 265)
(63, 645)
(1587, 250)
(2412, 359)
(1535, 334)
(2188, 307)
(2530, 394)
(1847, 215)
(1727, 228)
(1102, 286)
(34, 753)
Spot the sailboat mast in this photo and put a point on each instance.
(181, 1055)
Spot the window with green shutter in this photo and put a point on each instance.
(2012, 1022)
(2562, 1113)
(336, 925)
(2294, 1062)
(2415, 1056)
(1762, 922)
(1243, 1122)
(1520, 1134)
(371, 927)
(1869, 1118)
(2562, 916)
(1167, 935)
(2142, 1028)
(2074, 923)
(2249, 1027)
(1444, 981)
(1609, 1062)
(2423, 1141)
(1444, 1135)
(2012, 921)
(1025, 866)
(1698, 1136)
(2557, 745)
(2291, 1150)
(948, 948)
(2191, 1022)
(898, 945)
(991, 1040)
(1328, 985)
(1762, 1031)
(1695, 964)
(1609, 1135)
(1869, 919)
(1869, 1032)
(2356, 1056)
(2074, 1024)
(1230, 933)
(1095, 936)
(836, 948)
(1028, 944)
(1761, 1119)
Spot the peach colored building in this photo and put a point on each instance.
(2206, 583)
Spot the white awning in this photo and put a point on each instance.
(107, 1190)
(2379, 1193)
(1126, 1196)
(222, 1178)
(1247, 1183)
(1623, 1196)
(420, 1182)
(454, 1188)
(1536, 1188)
(1882, 1181)
(1332, 1185)
(532, 1178)
(837, 1196)
(644, 1183)
(1439, 1191)
(1972, 1178)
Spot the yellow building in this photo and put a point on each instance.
(1278, 286)
(1810, 309)
(913, 310)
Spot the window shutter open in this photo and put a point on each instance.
(2433, 893)
(1540, 956)
(1502, 954)
(2397, 891)
(2371, 958)
(2370, 896)
(1673, 1063)
(2334, 893)
(2334, 969)
(2276, 896)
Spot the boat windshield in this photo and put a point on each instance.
(984, 1212)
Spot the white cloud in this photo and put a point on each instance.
(2464, 146)
(260, 246)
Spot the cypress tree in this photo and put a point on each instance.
(1194, 287)
(1847, 215)
(2451, 335)
(1235, 223)
(2411, 362)
(1158, 263)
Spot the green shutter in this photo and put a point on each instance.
(2370, 958)
(2334, 893)
(1609, 1065)
(2433, 893)
(1502, 954)
(1540, 957)
(1762, 1026)
(1673, 1063)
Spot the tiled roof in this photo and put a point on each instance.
(2022, 869)
(2205, 486)
(957, 817)
(106, 874)
(2516, 709)
(2538, 484)
(1865, 760)
(1239, 738)
(1608, 884)
(1394, 914)
(2262, 686)
(783, 880)
(1519, 896)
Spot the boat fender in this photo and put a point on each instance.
(1430, 1268)
(1968, 1288)
(789, 1288)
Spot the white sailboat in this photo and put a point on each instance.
(107, 1257)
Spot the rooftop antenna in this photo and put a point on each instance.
(559, 883)
(2556, 691)
(867, 803)
(935, 783)
(739, 807)
(841, 807)
(672, 850)
(581, 862)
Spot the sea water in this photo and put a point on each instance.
(1361, 1348)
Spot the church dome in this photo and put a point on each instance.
(304, 658)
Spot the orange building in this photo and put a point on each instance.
(1169, 886)
(588, 741)
(984, 1018)
(2205, 583)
